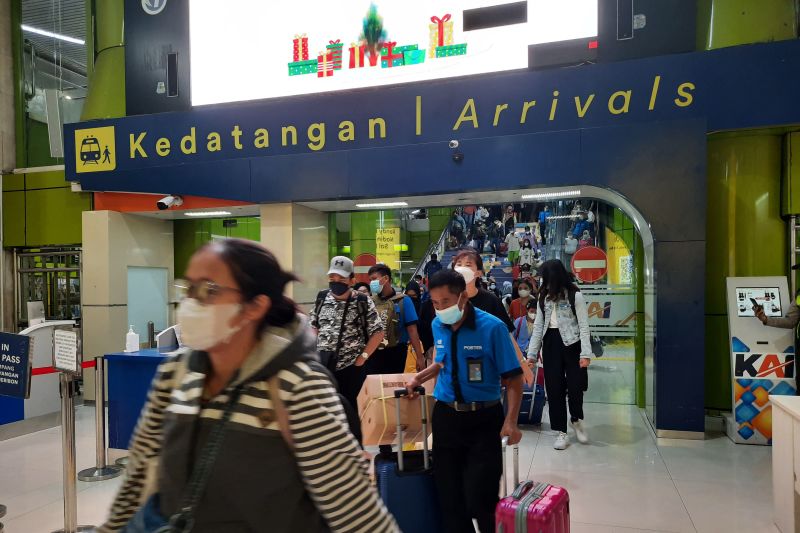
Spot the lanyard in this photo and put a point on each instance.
(454, 361)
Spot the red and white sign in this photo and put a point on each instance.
(361, 267)
(590, 264)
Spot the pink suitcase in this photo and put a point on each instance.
(532, 507)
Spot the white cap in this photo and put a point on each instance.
(342, 266)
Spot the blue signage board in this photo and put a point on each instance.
(15, 365)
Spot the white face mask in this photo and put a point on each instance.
(205, 326)
(532, 316)
(524, 293)
(469, 275)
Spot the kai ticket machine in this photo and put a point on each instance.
(762, 357)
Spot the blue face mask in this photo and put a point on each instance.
(375, 286)
(451, 315)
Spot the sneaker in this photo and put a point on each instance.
(580, 432)
(562, 441)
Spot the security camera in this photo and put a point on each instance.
(169, 201)
(458, 157)
(453, 144)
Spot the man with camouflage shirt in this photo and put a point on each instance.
(349, 329)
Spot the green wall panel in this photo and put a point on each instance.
(45, 180)
(14, 182)
(52, 216)
(745, 236)
(722, 23)
(14, 218)
(190, 235)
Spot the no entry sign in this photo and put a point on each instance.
(361, 266)
(589, 264)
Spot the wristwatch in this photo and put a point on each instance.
(365, 355)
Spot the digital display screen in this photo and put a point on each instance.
(252, 49)
(767, 297)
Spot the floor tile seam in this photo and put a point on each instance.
(646, 530)
(600, 474)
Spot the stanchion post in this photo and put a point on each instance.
(102, 470)
(67, 384)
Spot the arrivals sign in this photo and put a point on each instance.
(16, 364)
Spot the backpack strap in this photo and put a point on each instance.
(519, 327)
(361, 303)
(321, 295)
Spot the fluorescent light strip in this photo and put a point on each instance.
(546, 195)
(46, 33)
(384, 204)
(208, 214)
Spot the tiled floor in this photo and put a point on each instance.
(624, 482)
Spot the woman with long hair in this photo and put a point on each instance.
(519, 306)
(561, 331)
(243, 429)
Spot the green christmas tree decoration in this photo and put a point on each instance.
(373, 33)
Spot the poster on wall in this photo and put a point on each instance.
(386, 246)
(251, 49)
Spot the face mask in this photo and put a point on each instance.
(338, 287)
(524, 293)
(532, 316)
(375, 286)
(206, 326)
(493, 286)
(451, 315)
(469, 275)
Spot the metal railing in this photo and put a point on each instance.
(437, 248)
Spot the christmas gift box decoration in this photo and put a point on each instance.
(451, 50)
(324, 64)
(405, 48)
(335, 49)
(389, 58)
(357, 52)
(414, 57)
(441, 32)
(298, 68)
(300, 48)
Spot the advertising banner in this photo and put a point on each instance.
(15, 365)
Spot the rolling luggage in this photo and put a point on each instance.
(532, 507)
(533, 400)
(405, 479)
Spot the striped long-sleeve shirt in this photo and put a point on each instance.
(258, 482)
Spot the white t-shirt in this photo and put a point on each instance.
(513, 243)
(554, 320)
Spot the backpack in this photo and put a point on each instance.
(361, 303)
(393, 316)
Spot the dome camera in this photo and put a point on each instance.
(453, 144)
(169, 201)
(458, 156)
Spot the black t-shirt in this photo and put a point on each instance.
(490, 303)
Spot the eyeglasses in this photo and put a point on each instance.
(202, 291)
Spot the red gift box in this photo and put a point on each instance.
(324, 65)
(389, 57)
(357, 52)
(300, 47)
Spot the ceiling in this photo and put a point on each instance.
(64, 17)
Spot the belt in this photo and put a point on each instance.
(470, 406)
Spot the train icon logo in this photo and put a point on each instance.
(95, 150)
(153, 7)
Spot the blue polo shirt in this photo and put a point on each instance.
(483, 350)
(407, 318)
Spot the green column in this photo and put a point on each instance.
(722, 23)
(106, 97)
(745, 236)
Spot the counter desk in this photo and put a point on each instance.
(130, 375)
(786, 462)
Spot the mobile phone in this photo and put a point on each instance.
(755, 304)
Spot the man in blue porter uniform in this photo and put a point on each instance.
(473, 353)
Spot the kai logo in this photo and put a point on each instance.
(95, 150)
(770, 366)
(599, 311)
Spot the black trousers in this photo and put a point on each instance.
(563, 379)
(350, 381)
(467, 466)
(388, 361)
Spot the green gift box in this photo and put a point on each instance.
(451, 50)
(414, 57)
(405, 48)
(298, 68)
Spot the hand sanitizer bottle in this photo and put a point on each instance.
(132, 341)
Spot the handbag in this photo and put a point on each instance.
(148, 519)
(597, 345)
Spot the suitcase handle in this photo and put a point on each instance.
(504, 443)
(399, 393)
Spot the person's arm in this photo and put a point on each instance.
(372, 345)
(375, 330)
(790, 321)
(416, 344)
(145, 448)
(503, 350)
(421, 377)
(583, 329)
(328, 457)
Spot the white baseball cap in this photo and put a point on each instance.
(342, 266)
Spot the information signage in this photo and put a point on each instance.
(65, 351)
(15, 365)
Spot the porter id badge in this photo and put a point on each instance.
(475, 370)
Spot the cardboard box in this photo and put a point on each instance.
(377, 409)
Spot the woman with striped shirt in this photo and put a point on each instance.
(245, 431)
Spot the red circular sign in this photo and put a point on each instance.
(361, 266)
(590, 264)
